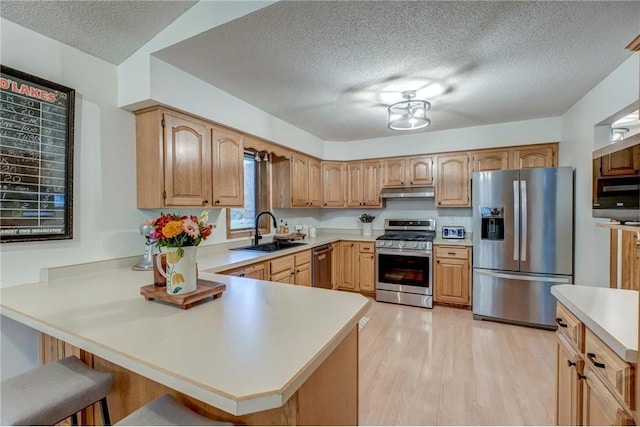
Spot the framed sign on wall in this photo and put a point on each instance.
(36, 158)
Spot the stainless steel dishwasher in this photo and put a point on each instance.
(321, 263)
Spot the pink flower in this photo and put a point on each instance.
(191, 228)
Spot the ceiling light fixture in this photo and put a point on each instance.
(617, 134)
(409, 114)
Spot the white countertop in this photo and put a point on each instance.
(245, 352)
(611, 314)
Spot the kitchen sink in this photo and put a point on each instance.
(269, 247)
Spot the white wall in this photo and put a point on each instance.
(105, 216)
(498, 135)
(579, 138)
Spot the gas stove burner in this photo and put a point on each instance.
(409, 237)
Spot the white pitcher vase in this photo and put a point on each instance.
(366, 228)
(181, 272)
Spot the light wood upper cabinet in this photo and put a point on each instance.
(394, 172)
(315, 183)
(420, 170)
(621, 162)
(544, 156)
(173, 160)
(333, 184)
(363, 184)
(371, 183)
(354, 184)
(453, 185)
(299, 181)
(228, 168)
(493, 160)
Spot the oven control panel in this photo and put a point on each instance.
(453, 232)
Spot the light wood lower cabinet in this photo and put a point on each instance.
(593, 385)
(357, 266)
(294, 269)
(600, 407)
(328, 397)
(569, 382)
(253, 271)
(452, 275)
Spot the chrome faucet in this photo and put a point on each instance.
(257, 236)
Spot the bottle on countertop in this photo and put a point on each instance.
(286, 228)
(312, 231)
(281, 227)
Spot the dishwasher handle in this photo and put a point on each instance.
(322, 250)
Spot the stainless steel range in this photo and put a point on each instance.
(405, 263)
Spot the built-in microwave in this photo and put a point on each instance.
(616, 181)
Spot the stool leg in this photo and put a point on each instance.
(74, 419)
(105, 411)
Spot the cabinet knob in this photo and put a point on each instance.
(570, 363)
(293, 272)
(411, 183)
(205, 202)
(217, 202)
(581, 377)
(438, 261)
(325, 204)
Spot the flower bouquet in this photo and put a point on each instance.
(177, 237)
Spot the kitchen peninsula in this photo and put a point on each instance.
(264, 353)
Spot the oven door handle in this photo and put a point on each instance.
(403, 253)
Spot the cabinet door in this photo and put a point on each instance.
(256, 271)
(371, 183)
(600, 407)
(354, 184)
(622, 162)
(286, 276)
(303, 275)
(420, 171)
(299, 180)
(333, 184)
(538, 157)
(187, 165)
(228, 168)
(494, 160)
(452, 281)
(366, 272)
(394, 173)
(453, 181)
(349, 267)
(315, 183)
(568, 385)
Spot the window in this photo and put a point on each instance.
(241, 221)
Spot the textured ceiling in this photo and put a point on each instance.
(110, 30)
(332, 68)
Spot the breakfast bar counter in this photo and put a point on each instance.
(263, 353)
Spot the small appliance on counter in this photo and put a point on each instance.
(453, 232)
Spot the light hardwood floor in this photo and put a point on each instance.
(441, 367)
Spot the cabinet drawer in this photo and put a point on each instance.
(302, 258)
(615, 372)
(367, 247)
(570, 326)
(459, 252)
(280, 264)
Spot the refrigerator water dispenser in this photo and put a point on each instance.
(492, 223)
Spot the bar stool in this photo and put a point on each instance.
(54, 392)
(167, 411)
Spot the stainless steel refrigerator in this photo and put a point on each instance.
(522, 243)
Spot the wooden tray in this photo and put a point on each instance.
(289, 237)
(206, 289)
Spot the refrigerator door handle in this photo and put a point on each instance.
(490, 273)
(516, 221)
(523, 240)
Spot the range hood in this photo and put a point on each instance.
(426, 192)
